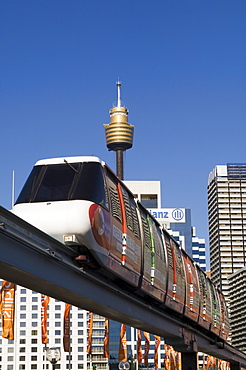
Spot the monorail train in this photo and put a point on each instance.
(82, 203)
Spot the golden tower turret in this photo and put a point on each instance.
(119, 133)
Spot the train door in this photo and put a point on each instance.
(125, 245)
(216, 310)
(154, 278)
(130, 231)
(225, 326)
(175, 298)
(192, 288)
(205, 314)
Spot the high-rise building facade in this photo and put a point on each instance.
(27, 352)
(227, 222)
(237, 290)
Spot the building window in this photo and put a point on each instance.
(57, 324)
(80, 316)
(57, 307)
(80, 340)
(80, 357)
(57, 340)
(22, 341)
(22, 299)
(10, 358)
(22, 332)
(34, 358)
(22, 367)
(22, 316)
(80, 332)
(22, 324)
(80, 323)
(57, 332)
(34, 299)
(34, 367)
(34, 332)
(80, 366)
(22, 358)
(34, 315)
(11, 350)
(22, 349)
(23, 291)
(34, 349)
(149, 200)
(10, 367)
(34, 307)
(22, 307)
(34, 323)
(80, 349)
(57, 316)
(34, 341)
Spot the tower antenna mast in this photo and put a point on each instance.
(119, 133)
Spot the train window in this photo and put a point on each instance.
(135, 218)
(129, 220)
(64, 182)
(30, 185)
(90, 184)
(146, 231)
(203, 290)
(157, 239)
(131, 212)
(113, 196)
(169, 251)
(56, 183)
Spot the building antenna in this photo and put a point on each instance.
(118, 84)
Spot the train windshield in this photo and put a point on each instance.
(68, 181)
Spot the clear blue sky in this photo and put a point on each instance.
(182, 64)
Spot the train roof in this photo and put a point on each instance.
(60, 160)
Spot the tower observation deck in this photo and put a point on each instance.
(119, 133)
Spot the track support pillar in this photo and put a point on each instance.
(189, 360)
(235, 366)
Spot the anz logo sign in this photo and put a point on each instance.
(168, 214)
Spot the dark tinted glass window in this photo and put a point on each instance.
(114, 196)
(56, 183)
(30, 185)
(64, 182)
(90, 184)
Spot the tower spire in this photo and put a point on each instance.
(119, 133)
(118, 84)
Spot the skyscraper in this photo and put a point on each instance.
(227, 222)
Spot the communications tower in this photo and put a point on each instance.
(119, 133)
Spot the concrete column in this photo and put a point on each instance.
(189, 360)
(120, 164)
(235, 366)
